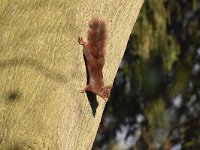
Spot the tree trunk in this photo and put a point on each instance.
(42, 70)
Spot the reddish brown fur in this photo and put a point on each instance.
(94, 53)
(97, 34)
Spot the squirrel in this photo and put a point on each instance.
(94, 56)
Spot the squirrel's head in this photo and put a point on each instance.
(105, 94)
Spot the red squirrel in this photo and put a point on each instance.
(94, 55)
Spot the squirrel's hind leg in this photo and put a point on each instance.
(86, 50)
(81, 41)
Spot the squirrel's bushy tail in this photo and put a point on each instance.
(97, 35)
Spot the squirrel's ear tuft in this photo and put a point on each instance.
(106, 92)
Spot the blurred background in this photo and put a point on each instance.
(155, 102)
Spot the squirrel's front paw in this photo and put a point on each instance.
(87, 88)
(82, 91)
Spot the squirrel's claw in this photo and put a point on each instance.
(85, 89)
(80, 41)
(82, 91)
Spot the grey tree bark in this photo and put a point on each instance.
(42, 70)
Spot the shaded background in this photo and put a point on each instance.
(155, 102)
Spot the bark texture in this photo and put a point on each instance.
(42, 70)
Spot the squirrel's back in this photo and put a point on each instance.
(97, 35)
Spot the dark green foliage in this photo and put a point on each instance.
(157, 88)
